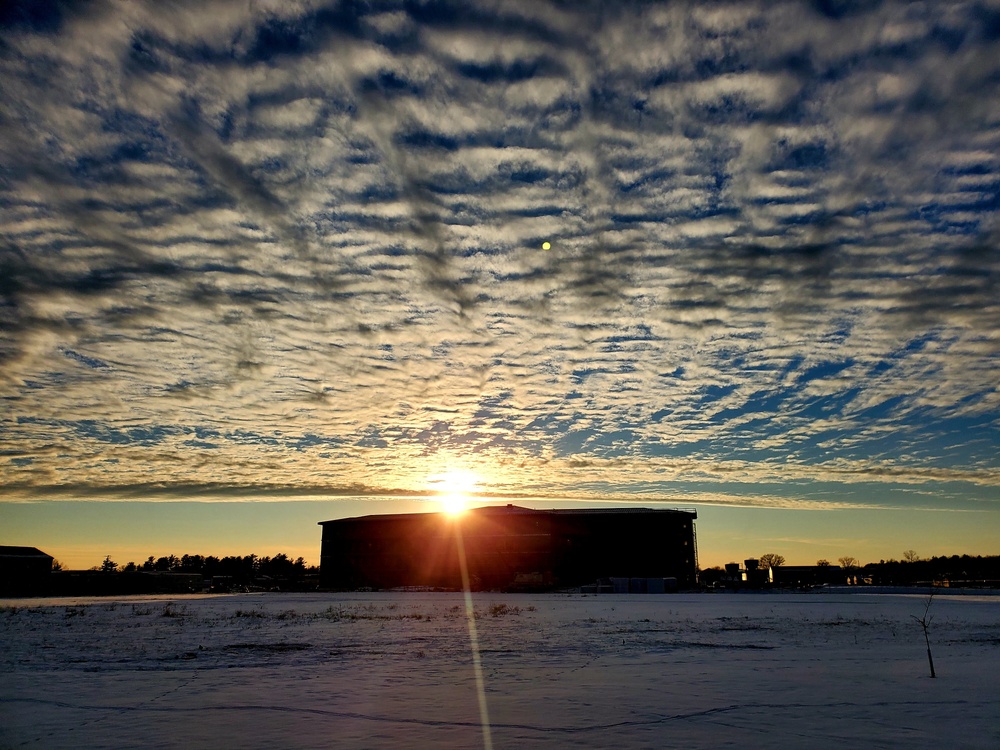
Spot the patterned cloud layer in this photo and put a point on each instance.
(265, 250)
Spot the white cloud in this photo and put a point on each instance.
(767, 241)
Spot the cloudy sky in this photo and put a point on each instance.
(736, 257)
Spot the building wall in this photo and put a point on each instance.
(808, 575)
(23, 571)
(508, 548)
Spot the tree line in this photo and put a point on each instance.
(954, 569)
(241, 569)
(912, 568)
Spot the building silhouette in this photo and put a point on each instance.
(808, 575)
(509, 548)
(24, 571)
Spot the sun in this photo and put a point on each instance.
(454, 505)
(455, 489)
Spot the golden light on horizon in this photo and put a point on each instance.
(455, 489)
(454, 505)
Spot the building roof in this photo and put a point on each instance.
(622, 511)
(519, 510)
(6, 551)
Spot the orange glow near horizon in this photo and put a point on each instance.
(455, 488)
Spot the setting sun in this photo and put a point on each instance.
(455, 489)
(453, 505)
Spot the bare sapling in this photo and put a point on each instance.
(925, 623)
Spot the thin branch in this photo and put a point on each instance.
(925, 623)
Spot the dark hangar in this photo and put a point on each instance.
(509, 548)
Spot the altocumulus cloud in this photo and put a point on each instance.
(295, 249)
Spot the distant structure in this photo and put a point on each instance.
(509, 548)
(735, 578)
(23, 571)
(808, 575)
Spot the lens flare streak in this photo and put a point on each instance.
(470, 618)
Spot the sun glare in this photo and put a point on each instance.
(454, 505)
(455, 489)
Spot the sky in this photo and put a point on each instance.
(268, 264)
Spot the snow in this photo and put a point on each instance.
(380, 670)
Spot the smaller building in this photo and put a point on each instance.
(807, 575)
(24, 571)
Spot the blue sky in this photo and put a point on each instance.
(294, 252)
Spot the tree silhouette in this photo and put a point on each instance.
(925, 623)
(771, 560)
(911, 556)
(167, 564)
(850, 566)
(279, 571)
(823, 563)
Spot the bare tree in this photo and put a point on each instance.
(925, 623)
(911, 556)
(771, 560)
(823, 563)
(850, 566)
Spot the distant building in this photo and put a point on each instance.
(509, 548)
(24, 571)
(98, 583)
(807, 575)
(755, 576)
(735, 578)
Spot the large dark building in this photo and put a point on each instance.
(509, 548)
(24, 571)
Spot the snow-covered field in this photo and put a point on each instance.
(843, 670)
